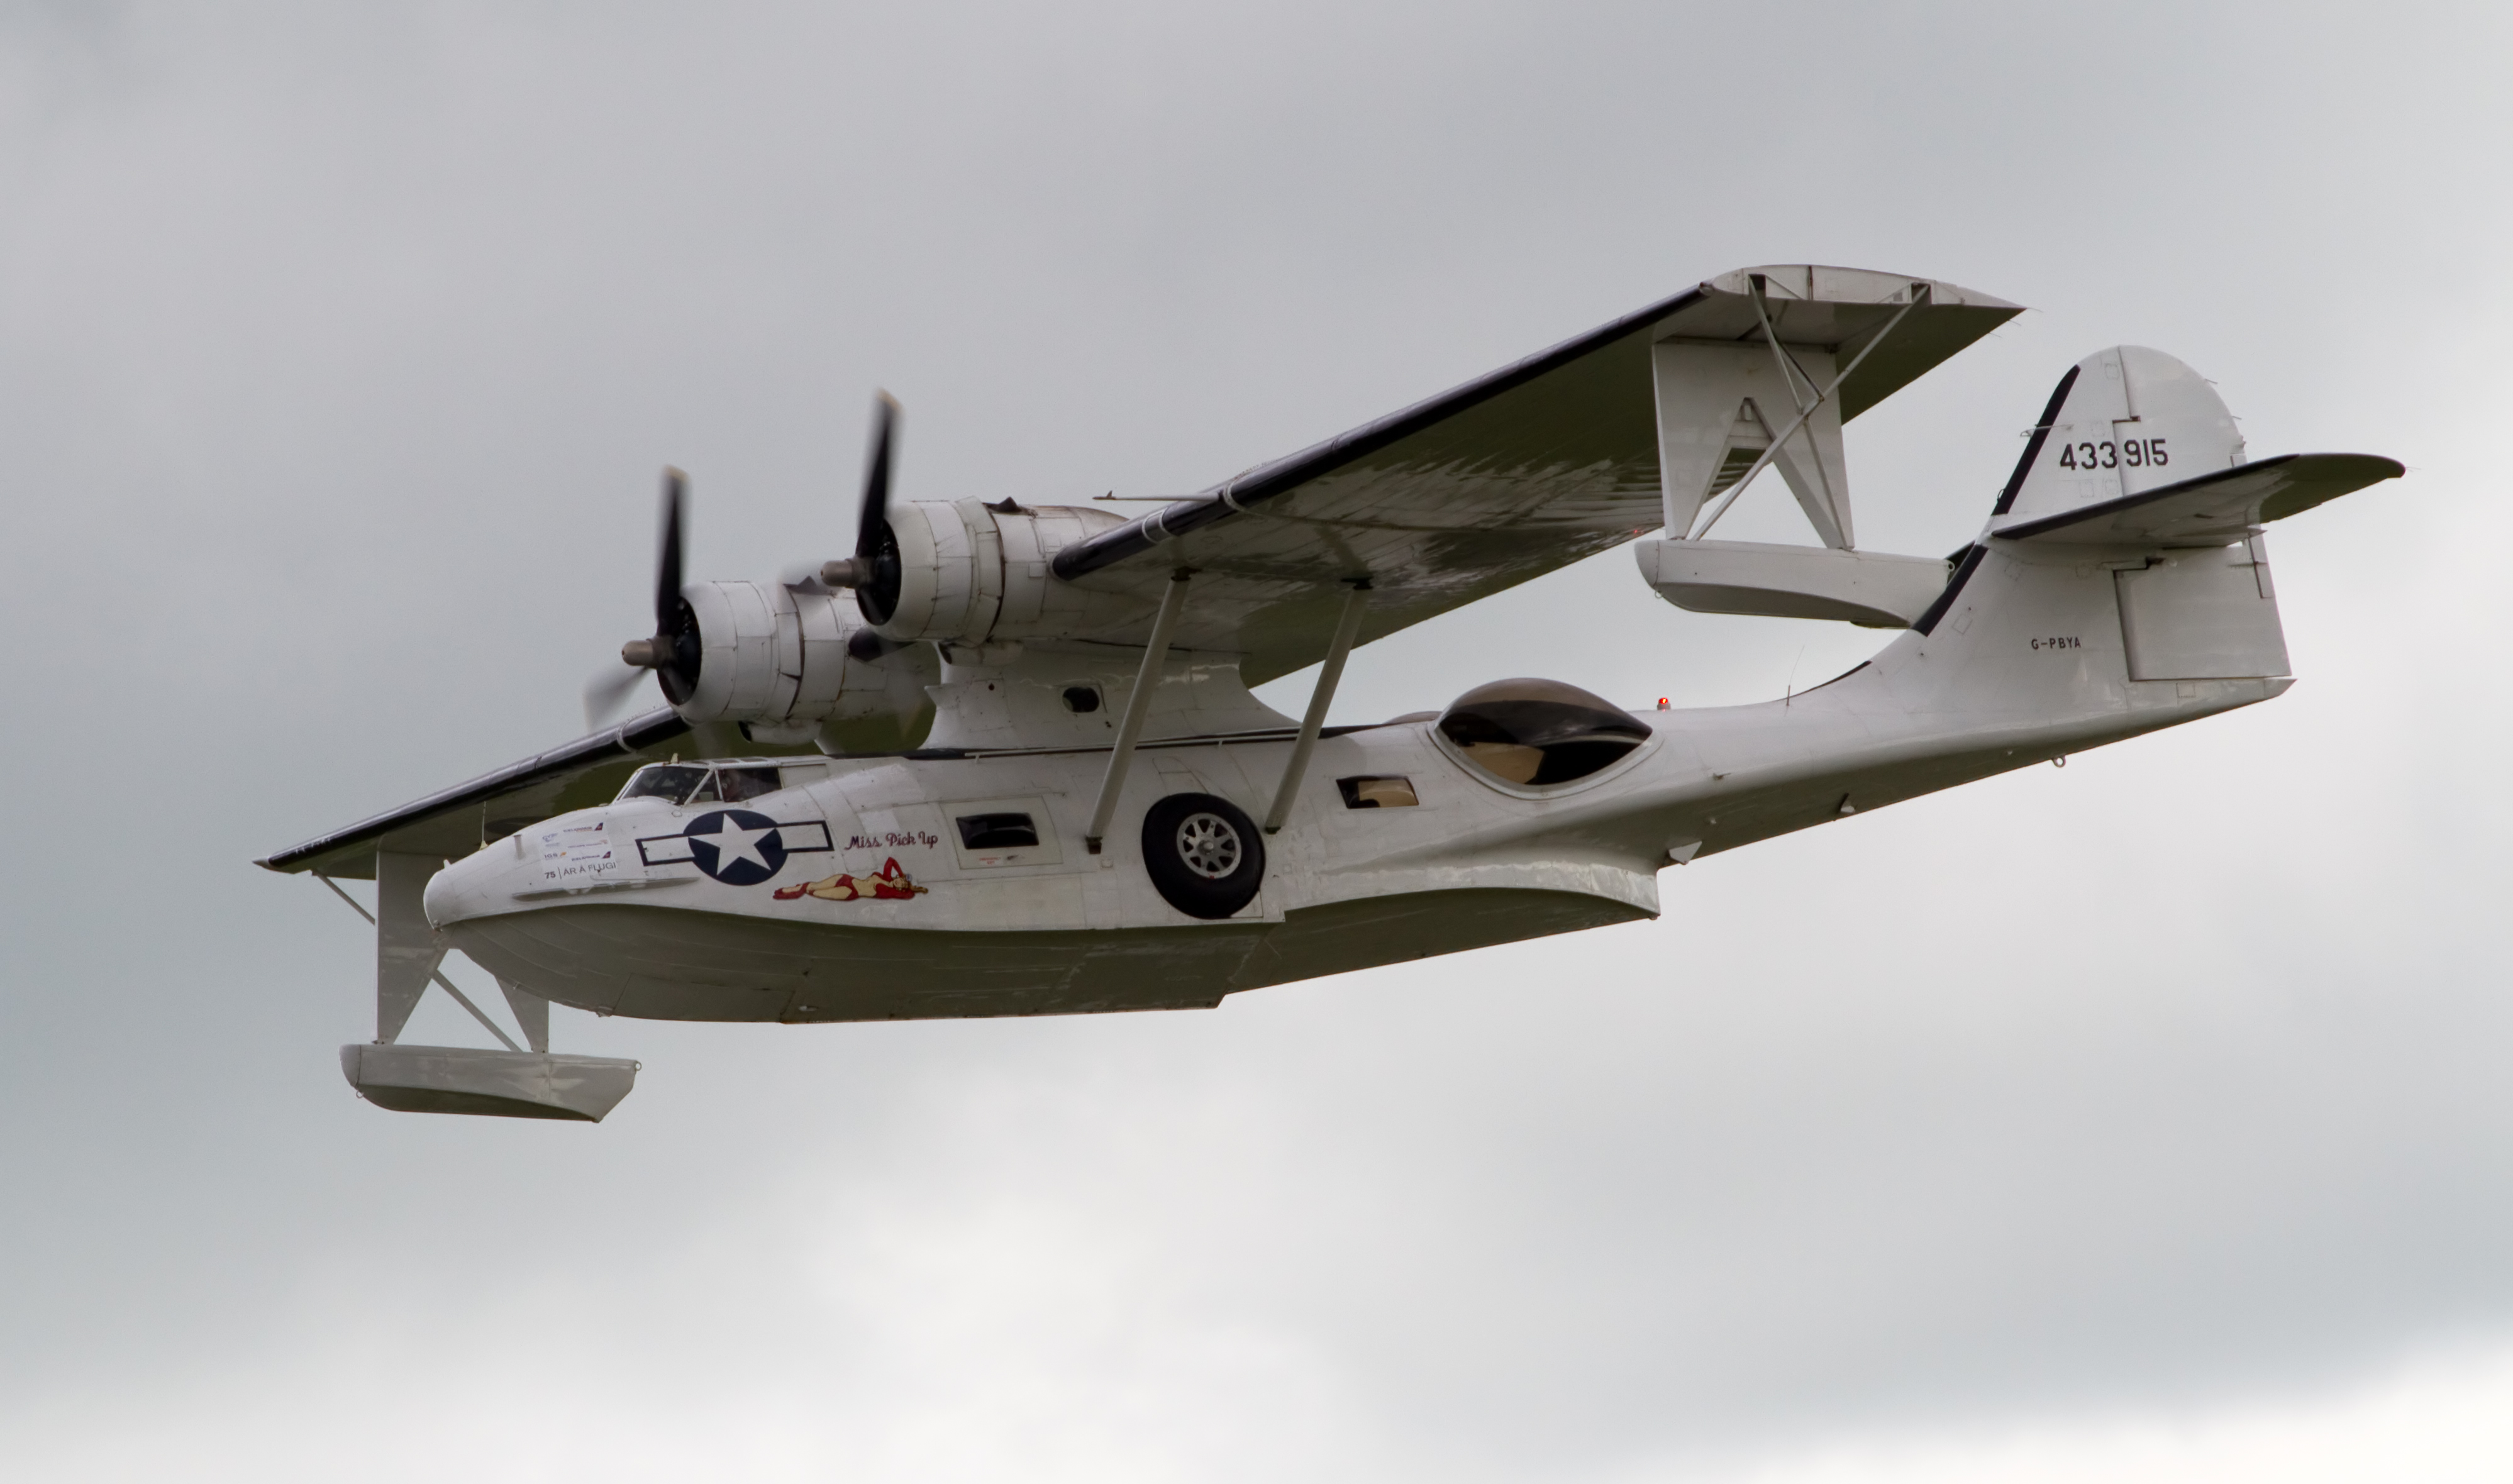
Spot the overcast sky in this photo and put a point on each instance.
(2150, 1117)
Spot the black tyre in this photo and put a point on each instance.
(1203, 854)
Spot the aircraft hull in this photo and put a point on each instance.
(659, 963)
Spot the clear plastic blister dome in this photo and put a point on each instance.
(1533, 732)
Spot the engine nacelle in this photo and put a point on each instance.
(971, 572)
(796, 659)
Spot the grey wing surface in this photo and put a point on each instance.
(1506, 478)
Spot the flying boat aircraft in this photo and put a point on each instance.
(1004, 759)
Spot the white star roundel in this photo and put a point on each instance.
(736, 845)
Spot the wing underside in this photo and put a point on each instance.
(1506, 478)
(1532, 467)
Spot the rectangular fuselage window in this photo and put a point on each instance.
(996, 831)
(1378, 792)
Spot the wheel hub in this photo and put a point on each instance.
(1209, 846)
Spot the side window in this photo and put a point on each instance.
(739, 783)
(989, 834)
(704, 793)
(1378, 792)
(996, 831)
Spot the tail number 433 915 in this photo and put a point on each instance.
(2137, 453)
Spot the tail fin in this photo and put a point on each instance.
(2135, 449)
(2122, 422)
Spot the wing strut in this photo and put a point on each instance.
(1138, 706)
(1920, 294)
(1330, 673)
(435, 975)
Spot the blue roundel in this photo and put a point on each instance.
(736, 845)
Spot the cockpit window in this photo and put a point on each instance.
(699, 783)
(1538, 732)
(739, 783)
(673, 782)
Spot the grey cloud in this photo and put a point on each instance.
(339, 352)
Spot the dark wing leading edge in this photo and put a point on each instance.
(1506, 478)
(458, 821)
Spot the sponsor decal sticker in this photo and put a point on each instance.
(574, 852)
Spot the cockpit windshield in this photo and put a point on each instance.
(1538, 732)
(701, 784)
(674, 782)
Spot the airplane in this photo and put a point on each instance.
(1004, 759)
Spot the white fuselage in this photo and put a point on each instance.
(907, 921)
(877, 907)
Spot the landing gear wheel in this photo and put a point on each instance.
(1204, 856)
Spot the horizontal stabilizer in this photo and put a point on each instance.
(495, 1084)
(2213, 508)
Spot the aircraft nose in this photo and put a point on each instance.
(465, 888)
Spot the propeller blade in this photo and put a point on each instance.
(672, 652)
(667, 566)
(606, 691)
(874, 513)
(873, 571)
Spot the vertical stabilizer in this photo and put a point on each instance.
(2121, 422)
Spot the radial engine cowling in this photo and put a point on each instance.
(776, 656)
(971, 572)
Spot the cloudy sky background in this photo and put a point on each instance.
(2150, 1116)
